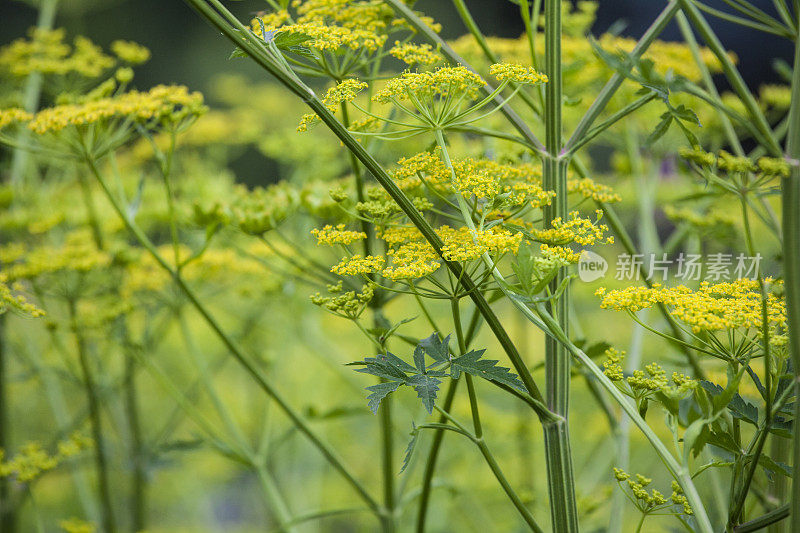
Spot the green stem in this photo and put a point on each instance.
(8, 517)
(93, 399)
(433, 455)
(560, 477)
(791, 267)
(387, 463)
(138, 494)
(678, 471)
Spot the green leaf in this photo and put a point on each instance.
(419, 359)
(660, 130)
(379, 392)
(412, 444)
(472, 364)
(427, 388)
(743, 410)
(387, 366)
(437, 349)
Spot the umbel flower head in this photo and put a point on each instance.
(161, 103)
(443, 98)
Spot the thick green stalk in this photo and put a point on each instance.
(560, 478)
(679, 472)
(241, 36)
(791, 267)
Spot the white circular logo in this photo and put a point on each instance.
(591, 266)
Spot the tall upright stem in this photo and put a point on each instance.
(95, 418)
(791, 268)
(8, 518)
(563, 507)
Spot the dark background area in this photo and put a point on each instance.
(187, 50)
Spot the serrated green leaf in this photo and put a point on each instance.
(472, 364)
(387, 366)
(419, 359)
(660, 130)
(437, 349)
(412, 444)
(743, 410)
(379, 392)
(427, 388)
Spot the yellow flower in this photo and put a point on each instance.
(517, 73)
(338, 235)
(345, 91)
(411, 260)
(415, 54)
(440, 83)
(12, 116)
(45, 51)
(130, 52)
(160, 102)
(355, 265)
(9, 300)
(718, 307)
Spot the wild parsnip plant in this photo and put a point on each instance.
(435, 204)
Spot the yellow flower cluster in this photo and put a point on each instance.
(407, 174)
(45, 51)
(778, 97)
(338, 235)
(576, 229)
(345, 91)
(517, 73)
(717, 218)
(9, 300)
(461, 245)
(440, 83)
(78, 254)
(357, 265)
(12, 116)
(159, 103)
(644, 383)
(365, 15)
(411, 260)
(648, 502)
(589, 188)
(765, 166)
(484, 178)
(32, 460)
(130, 52)
(560, 253)
(718, 307)
(326, 37)
(415, 54)
(144, 275)
(349, 304)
